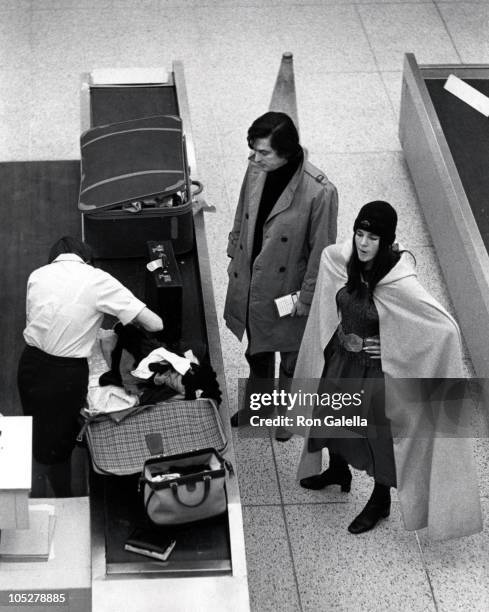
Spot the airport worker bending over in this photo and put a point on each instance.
(65, 306)
(286, 215)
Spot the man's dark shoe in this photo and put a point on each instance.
(327, 478)
(378, 507)
(338, 473)
(282, 434)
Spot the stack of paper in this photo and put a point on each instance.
(33, 544)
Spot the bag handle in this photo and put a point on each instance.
(200, 187)
(174, 487)
(207, 487)
(224, 462)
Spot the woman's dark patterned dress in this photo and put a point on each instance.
(354, 371)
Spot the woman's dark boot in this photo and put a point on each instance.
(377, 507)
(338, 473)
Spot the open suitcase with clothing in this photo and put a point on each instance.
(141, 447)
(135, 186)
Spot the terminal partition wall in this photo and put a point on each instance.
(446, 145)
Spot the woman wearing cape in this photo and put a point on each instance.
(372, 322)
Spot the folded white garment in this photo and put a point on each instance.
(180, 364)
(109, 399)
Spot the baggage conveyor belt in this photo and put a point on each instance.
(201, 548)
(208, 564)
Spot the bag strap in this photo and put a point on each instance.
(82, 432)
(224, 461)
(88, 419)
(207, 487)
(220, 426)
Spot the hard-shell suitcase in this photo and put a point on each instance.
(135, 186)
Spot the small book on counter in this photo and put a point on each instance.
(150, 543)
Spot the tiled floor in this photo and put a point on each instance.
(348, 62)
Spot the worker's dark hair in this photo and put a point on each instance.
(68, 244)
(284, 138)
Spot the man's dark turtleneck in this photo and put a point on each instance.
(275, 183)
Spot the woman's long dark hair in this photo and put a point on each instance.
(386, 258)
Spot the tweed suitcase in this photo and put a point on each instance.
(166, 428)
(135, 186)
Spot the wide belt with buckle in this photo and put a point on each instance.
(352, 342)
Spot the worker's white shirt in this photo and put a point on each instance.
(66, 302)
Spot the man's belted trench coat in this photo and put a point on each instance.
(301, 224)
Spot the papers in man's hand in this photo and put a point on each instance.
(285, 303)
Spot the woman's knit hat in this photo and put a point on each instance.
(379, 218)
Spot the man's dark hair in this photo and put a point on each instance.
(68, 244)
(284, 138)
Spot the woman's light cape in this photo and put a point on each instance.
(436, 477)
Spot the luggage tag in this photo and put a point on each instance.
(154, 442)
(161, 262)
(154, 265)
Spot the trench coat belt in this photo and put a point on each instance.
(352, 342)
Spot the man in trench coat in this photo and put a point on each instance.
(286, 216)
